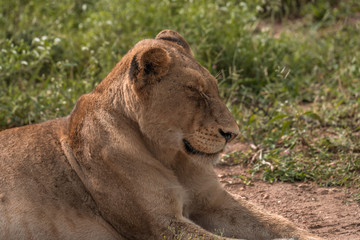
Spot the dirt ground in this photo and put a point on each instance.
(327, 212)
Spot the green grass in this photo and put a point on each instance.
(305, 121)
(288, 70)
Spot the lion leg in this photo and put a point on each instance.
(241, 219)
(21, 219)
(185, 229)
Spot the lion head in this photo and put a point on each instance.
(173, 99)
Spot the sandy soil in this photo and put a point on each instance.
(327, 212)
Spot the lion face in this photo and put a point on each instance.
(179, 107)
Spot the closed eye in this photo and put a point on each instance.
(199, 93)
(190, 87)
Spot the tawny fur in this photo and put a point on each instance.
(133, 160)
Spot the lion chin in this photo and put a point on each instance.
(133, 160)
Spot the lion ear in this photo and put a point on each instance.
(148, 66)
(174, 37)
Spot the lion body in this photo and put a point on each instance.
(41, 195)
(133, 160)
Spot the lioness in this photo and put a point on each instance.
(133, 160)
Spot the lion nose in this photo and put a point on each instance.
(229, 136)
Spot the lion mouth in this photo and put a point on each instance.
(190, 149)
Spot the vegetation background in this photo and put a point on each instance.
(288, 69)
